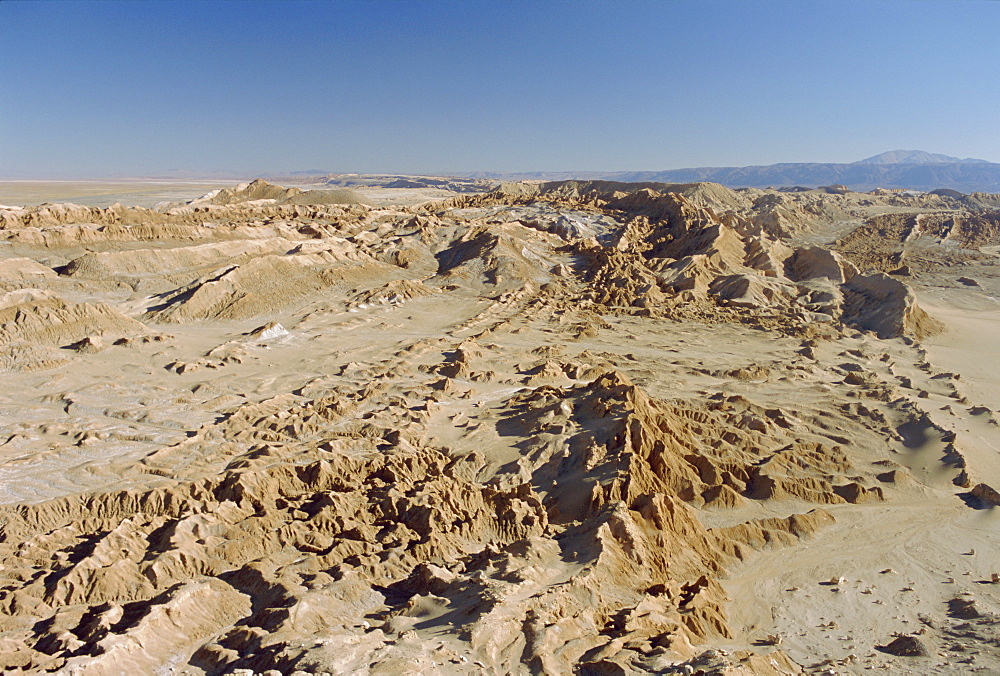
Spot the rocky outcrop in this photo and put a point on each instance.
(34, 323)
(887, 307)
(452, 460)
(670, 245)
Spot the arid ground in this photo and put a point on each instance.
(560, 428)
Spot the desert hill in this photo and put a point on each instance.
(264, 192)
(567, 427)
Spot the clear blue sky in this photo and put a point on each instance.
(100, 89)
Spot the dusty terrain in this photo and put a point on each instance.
(135, 192)
(558, 428)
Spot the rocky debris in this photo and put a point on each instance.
(986, 494)
(905, 646)
(89, 345)
(269, 331)
(723, 663)
(395, 292)
(964, 608)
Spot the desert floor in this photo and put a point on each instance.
(575, 430)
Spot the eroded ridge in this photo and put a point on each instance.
(554, 428)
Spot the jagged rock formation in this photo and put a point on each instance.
(468, 437)
(673, 248)
(400, 532)
(895, 243)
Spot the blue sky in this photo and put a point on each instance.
(103, 89)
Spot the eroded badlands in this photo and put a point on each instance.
(558, 428)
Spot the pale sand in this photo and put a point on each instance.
(970, 346)
(137, 192)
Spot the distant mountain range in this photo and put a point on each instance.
(906, 169)
(916, 157)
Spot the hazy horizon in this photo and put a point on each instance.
(182, 175)
(242, 89)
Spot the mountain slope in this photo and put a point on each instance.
(957, 176)
(905, 169)
(915, 157)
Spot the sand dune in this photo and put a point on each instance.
(571, 427)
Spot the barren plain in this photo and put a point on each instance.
(560, 428)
